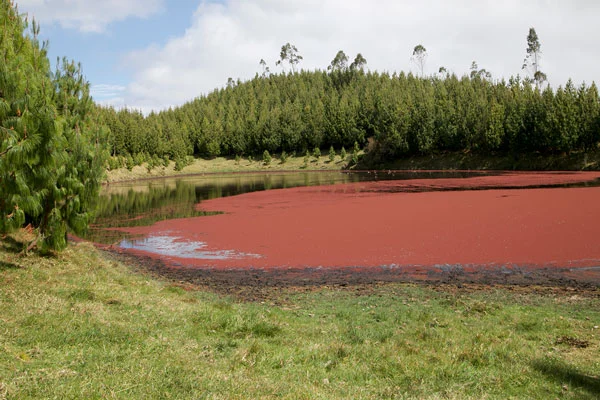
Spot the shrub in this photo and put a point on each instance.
(180, 163)
(283, 157)
(150, 165)
(343, 153)
(331, 154)
(266, 157)
(139, 159)
(354, 159)
(317, 152)
(114, 163)
(129, 162)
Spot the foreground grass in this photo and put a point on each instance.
(223, 164)
(80, 326)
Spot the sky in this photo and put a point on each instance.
(155, 54)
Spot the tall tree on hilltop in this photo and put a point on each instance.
(265, 69)
(479, 73)
(359, 63)
(339, 63)
(290, 54)
(419, 57)
(531, 63)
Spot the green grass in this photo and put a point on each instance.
(80, 326)
(229, 164)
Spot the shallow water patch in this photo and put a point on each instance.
(173, 246)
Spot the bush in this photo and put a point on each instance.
(343, 153)
(140, 158)
(180, 163)
(331, 154)
(317, 152)
(150, 165)
(129, 162)
(266, 157)
(283, 157)
(114, 163)
(306, 157)
(354, 159)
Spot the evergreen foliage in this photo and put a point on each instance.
(51, 142)
(404, 115)
(317, 152)
(266, 157)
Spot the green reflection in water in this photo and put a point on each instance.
(144, 203)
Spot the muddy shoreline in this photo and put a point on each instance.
(260, 284)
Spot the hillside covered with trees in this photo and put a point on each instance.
(397, 115)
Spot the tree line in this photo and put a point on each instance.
(399, 114)
(402, 114)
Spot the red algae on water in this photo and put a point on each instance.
(429, 222)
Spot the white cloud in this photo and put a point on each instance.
(228, 40)
(89, 15)
(109, 95)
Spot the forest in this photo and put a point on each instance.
(390, 115)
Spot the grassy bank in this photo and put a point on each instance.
(445, 161)
(81, 326)
(222, 164)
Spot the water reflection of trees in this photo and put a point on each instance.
(144, 207)
(143, 204)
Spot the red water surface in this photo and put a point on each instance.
(376, 224)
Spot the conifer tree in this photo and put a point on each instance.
(51, 148)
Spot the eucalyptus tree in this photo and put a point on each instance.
(531, 63)
(419, 58)
(265, 69)
(359, 63)
(476, 72)
(339, 63)
(290, 54)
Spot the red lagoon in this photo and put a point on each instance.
(394, 224)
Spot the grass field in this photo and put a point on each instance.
(223, 165)
(79, 325)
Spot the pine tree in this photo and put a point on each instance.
(52, 152)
